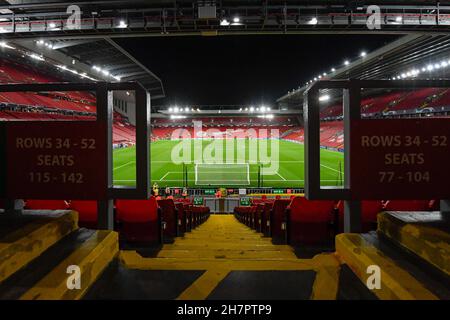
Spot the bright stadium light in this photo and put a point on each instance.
(186, 109)
(224, 22)
(363, 54)
(324, 74)
(40, 42)
(122, 24)
(430, 67)
(236, 20)
(346, 62)
(36, 57)
(444, 64)
(252, 109)
(52, 25)
(313, 21)
(176, 109)
(263, 109)
(105, 72)
(170, 109)
(3, 44)
(398, 19)
(333, 69)
(424, 69)
(324, 98)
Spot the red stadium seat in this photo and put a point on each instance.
(407, 205)
(369, 212)
(181, 218)
(169, 215)
(200, 214)
(278, 221)
(434, 205)
(139, 220)
(309, 222)
(46, 205)
(87, 213)
(258, 216)
(265, 219)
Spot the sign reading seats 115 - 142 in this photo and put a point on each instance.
(400, 159)
(56, 160)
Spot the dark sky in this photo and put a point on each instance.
(243, 69)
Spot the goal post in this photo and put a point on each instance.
(222, 174)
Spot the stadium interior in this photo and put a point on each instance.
(212, 228)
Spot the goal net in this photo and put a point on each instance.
(222, 174)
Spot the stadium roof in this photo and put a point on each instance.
(409, 57)
(101, 59)
(119, 18)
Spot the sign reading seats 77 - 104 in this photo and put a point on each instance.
(400, 159)
(56, 160)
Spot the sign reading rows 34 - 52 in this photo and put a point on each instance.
(400, 159)
(56, 160)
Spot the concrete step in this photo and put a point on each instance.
(91, 257)
(400, 277)
(25, 237)
(424, 234)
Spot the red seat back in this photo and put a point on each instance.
(46, 205)
(168, 212)
(369, 212)
(277, 219)
(139, 220)
(310, 221)
(87, 212)
(137, 210)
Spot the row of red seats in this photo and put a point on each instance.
(306, 222)
(149, 221)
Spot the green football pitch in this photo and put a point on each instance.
(283, 166)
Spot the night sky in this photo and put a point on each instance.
(243, 70)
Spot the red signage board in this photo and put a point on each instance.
(56, 160)
(400, 159)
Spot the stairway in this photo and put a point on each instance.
(224, 260)
(411, 250)
(40, 250)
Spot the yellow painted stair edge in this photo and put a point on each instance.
(19, 248)
(92, 257)
(396, 283)
(430, 244)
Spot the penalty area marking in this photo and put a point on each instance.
(124, 165)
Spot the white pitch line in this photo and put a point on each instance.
(132, 161)
(167, 173)
(281, 176)
(322, 165)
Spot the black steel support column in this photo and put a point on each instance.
(105, 115)
(352, 111)
(311, 113)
